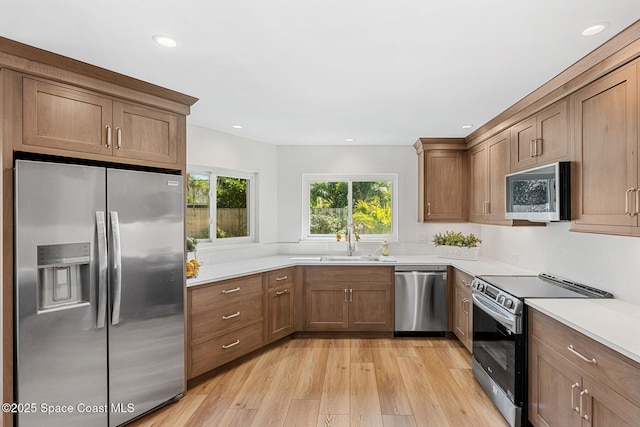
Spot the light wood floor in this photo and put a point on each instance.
(335, 382)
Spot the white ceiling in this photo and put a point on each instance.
(320, 71)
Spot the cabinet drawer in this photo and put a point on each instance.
(280, 277)
(223, 349)
(611, 368)
(207, 297)
(208, 324)
(461, 278)
(348, 274)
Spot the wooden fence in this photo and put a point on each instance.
(231, 221)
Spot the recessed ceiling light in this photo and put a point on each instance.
(164, 40)
(595, 29)
(236, 126)
(467, 126)
(350, 139)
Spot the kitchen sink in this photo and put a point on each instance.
(346, 258)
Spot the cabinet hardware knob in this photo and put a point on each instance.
(428, 209)
(278, 293)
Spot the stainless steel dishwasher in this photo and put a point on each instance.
(420, 300)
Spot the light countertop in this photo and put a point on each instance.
(215, 272)
(611, 322)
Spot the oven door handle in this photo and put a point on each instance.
(507, 321)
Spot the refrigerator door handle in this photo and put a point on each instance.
(117, 267)
(102, 268)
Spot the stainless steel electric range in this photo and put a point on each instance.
(500, 334)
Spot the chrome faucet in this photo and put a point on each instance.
(350, 243)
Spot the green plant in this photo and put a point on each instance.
(192, 244)
(452, 238)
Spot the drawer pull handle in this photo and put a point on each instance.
(278, 293)
(230, 291)
(231, 316)
(236, 342)
(584, 392)
(282, 278)
(573, 403)
(586, 359)
(119, 138)
(108, 145)
(465, 283)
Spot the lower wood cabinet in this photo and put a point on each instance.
(225, 322)
(280, 303)
(463, 308)
(348, 298)
(575, 381)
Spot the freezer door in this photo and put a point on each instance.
(146, 310)
(61, 353)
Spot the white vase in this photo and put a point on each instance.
(457, 252)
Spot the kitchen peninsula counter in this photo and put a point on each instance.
(611, 322)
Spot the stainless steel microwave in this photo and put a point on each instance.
(541, 194)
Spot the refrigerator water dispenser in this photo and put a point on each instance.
(63, 276)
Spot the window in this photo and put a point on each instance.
(333, 202)
(219, 206)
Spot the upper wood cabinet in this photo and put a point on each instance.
(542, 138)
(76, 122)
(442, 180)
(489, 162)
(606, 120)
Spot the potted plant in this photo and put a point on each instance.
(456, 245)
(192, 245)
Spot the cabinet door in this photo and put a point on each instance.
(281, 320)
(370, 307)
(552, 135)
(479, 176)
(523, 136)
(460, 318)
(603, 407)
(56, 116)
(326, 307)
(606, 132)
(554, 388)
(143, 133)
(498, 152)
(444, 186)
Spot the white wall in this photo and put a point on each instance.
(607, 262)
(402, 160)
(206, 147)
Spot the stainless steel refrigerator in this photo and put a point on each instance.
(99, 302)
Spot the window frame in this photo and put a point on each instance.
(214, 173)
(308, 178)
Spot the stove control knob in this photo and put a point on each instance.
(508, 303)
(479, 286)
(501, 299)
